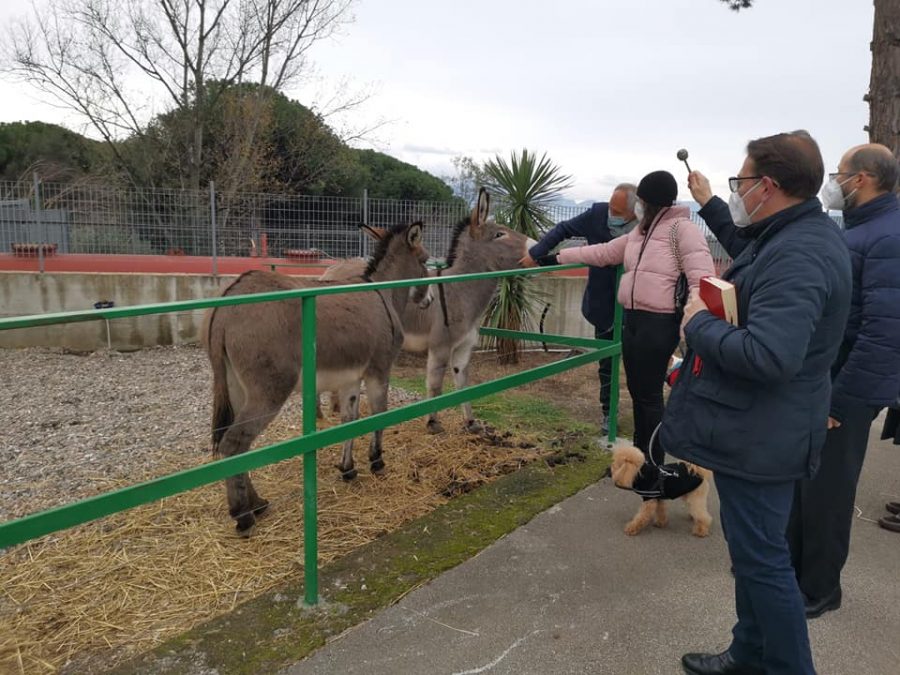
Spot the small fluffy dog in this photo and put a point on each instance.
(631, 471)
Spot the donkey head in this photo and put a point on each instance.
(482, 245)
(422, 295)
(400, 253)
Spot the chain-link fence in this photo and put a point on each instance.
(40, 218)
(98, 219)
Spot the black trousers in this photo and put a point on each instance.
(648, 341)
(819, 528)
(604, 372)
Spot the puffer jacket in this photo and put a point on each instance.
(649, 280)
(754, 404)
(867, 370)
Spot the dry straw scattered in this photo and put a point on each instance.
(126, 583)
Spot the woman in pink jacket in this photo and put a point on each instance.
(647, 291)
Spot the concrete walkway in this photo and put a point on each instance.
(570, 593)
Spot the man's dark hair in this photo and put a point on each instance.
(878, 162)
(792, 160)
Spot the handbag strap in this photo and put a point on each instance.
(673, 244)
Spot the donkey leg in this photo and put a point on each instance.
(349, 400)
(460, 363)
(243, 501)
(437, 366)
(336, 402)
(377, 393)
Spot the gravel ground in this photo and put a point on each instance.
(77, 425)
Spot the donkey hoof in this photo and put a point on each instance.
(377, 466)
(434, 427)
(348, 475)
(474, 427)
(244, 525)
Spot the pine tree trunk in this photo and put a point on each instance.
(884, 85)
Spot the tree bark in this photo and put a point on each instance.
(884, 85)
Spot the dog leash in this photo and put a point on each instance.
(650, 445)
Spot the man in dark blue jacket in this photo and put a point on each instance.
(603, 222)
(865, 376)
(752, 400)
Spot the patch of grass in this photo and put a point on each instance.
(511, 410)
(414, 384)
(529, 413)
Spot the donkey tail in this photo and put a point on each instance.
(223, 412)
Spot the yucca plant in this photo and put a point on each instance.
(525, 188)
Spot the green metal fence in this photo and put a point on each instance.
(52, 520)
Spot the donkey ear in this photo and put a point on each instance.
(376, 234)
(414, 235)
(480, 212)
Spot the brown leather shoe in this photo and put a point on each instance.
(891, 523)
(893, 507)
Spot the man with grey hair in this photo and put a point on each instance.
(865, 376)
(603, 222)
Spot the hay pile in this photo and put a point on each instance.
(124, 584)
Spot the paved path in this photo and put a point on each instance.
(570, 593)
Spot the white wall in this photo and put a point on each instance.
(24, 293)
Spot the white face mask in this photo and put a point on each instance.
(739, 211)
(639, 210)
(833, 196)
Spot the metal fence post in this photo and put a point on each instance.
(365, 220)
(615, 361)
(38, 220)
(310, 489)
(212, 217)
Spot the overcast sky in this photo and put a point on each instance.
(610, 89)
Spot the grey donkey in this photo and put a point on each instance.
(448, 328)
(255, 353)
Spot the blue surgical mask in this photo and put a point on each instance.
(615, 221)
(625, 227)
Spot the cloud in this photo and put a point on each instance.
(428, 150)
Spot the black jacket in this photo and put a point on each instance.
(757, 403)
(599, 300)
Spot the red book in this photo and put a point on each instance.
(721, 298)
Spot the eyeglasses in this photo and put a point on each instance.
(735, 181)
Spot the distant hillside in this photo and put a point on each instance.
(294, 151)
(54, 151)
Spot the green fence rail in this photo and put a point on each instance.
(76, 513)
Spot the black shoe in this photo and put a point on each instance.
(893, 507)
(816, 608)
(716, 664)
(891, 523)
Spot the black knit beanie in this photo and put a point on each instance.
(658, 188)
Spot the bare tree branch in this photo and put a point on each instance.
(110, 60)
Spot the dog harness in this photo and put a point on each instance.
(664, 481)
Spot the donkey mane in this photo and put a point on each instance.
(237, 281)
(454, 239)
(381, 248)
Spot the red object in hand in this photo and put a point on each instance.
(721, 298)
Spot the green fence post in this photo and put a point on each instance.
(310, 490)
(615, 360)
